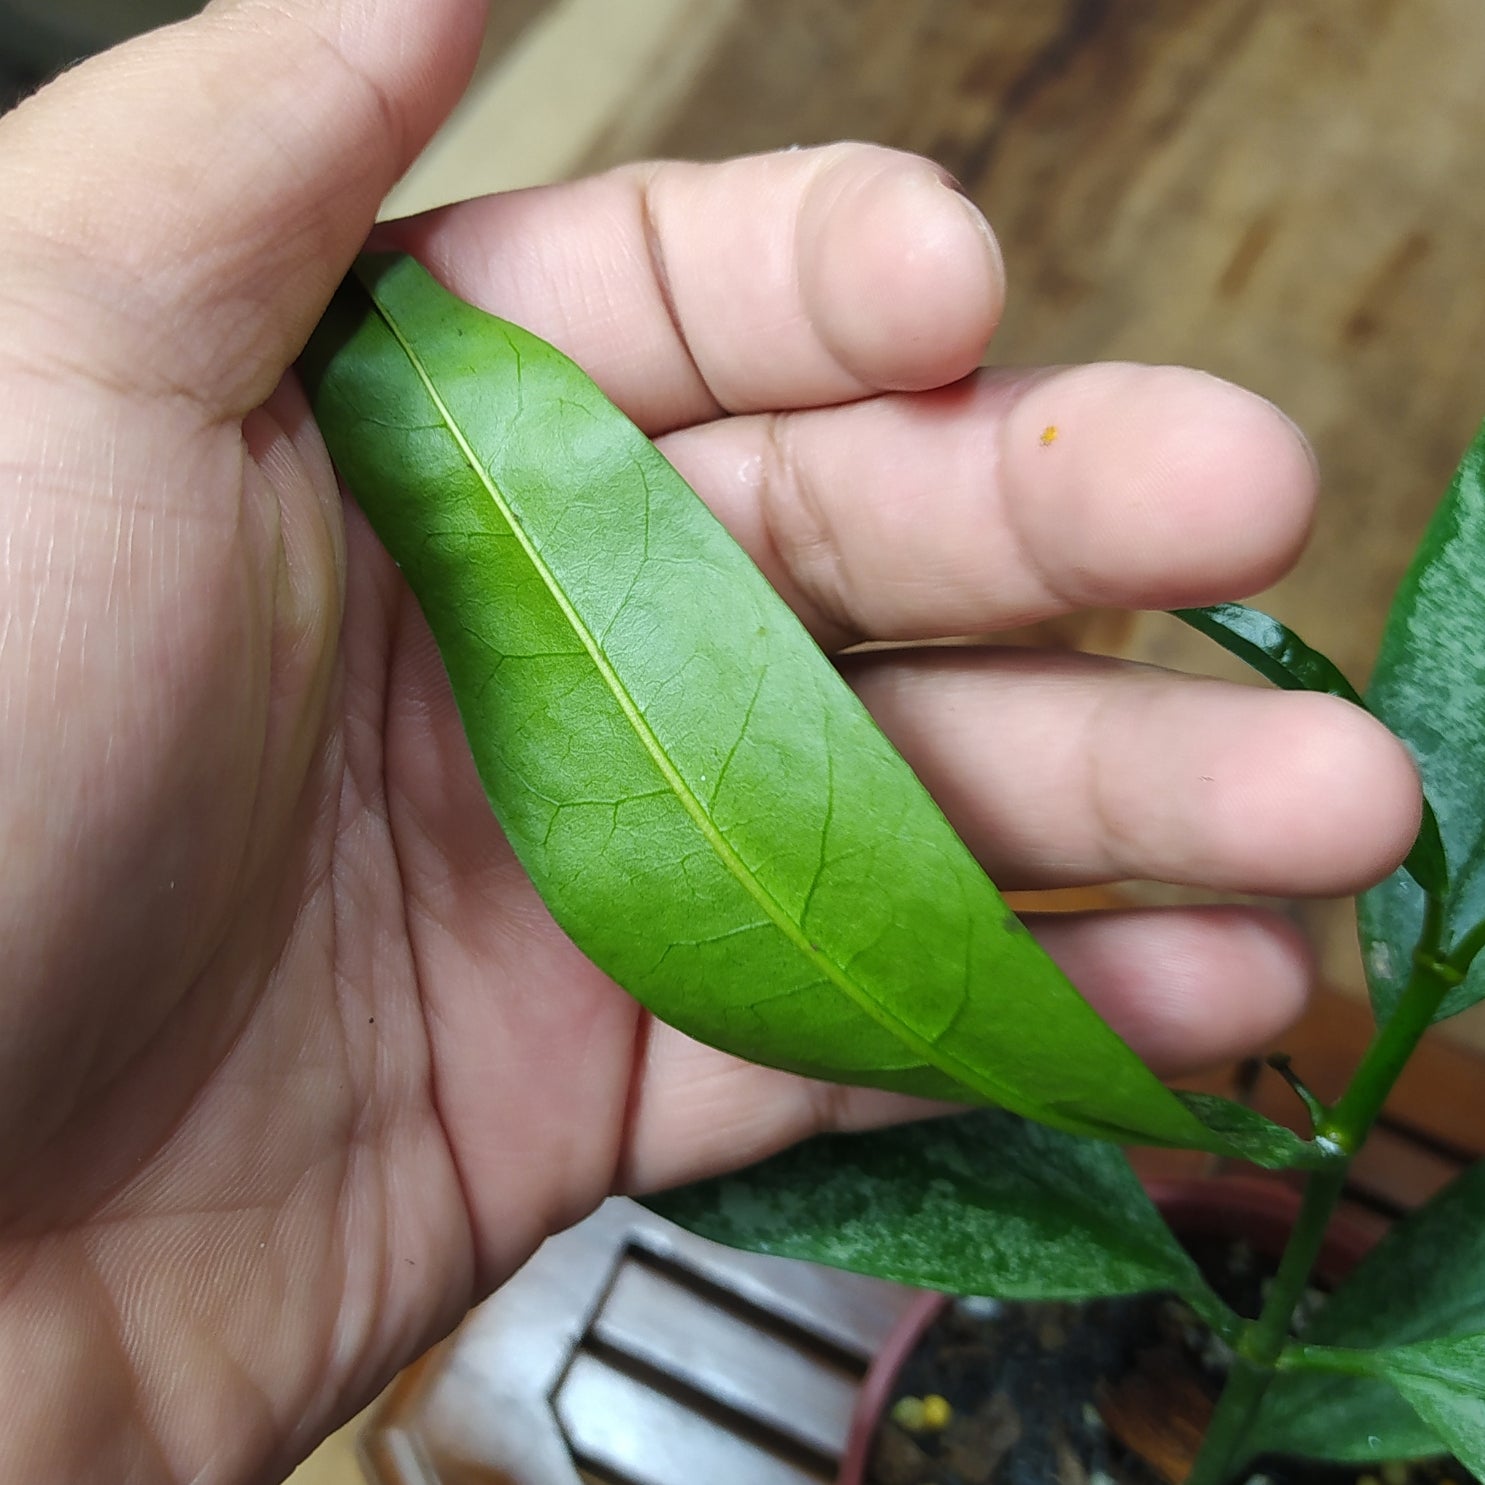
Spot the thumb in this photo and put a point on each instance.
(188, 201)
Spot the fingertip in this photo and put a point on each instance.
(1232, 981)
(1188, 988)
(1260, 473)
(900, 273)
(1344, 755)
(1283, 793)
(1194, 489)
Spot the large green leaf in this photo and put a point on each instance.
(1278, 654)
(1429, 687)
(984, 1203)
(1444, 1380)
(703, 803)
(1425, 1280)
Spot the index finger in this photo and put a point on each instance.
(686, 291)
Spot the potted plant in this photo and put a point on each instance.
(716, 821)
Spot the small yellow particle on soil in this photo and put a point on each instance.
(930, 1414)
(907, 1412)
(936, 1413)
(1049, 434)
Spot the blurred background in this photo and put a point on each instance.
(39, 36)
(1288, 193)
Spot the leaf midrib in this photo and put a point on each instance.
(678, 785)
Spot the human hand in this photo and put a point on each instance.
(294, 1065)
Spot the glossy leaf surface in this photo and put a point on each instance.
(703, 803)
(1278, 654)
(983, 1203)
(1429, 687)
(1274, 650)
(1445, 1382)
(1425, 1280)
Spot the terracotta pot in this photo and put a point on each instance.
(1262, 1211)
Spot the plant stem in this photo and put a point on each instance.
(1329, 1360)
(1352, 1116)
(1241, 1397)
(1262, 1340)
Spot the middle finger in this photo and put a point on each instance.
(1060, 769)
(1009, 497)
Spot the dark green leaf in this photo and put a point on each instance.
(983, 1203)
(701, 800)
(1429, 687)
(1326, 1415)
(1444, 1380)
(1278, 654)
(1426, 1279)
(1274, 650)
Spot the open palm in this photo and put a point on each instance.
(294, 1065)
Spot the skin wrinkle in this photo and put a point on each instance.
(55, 356)
(1054, 600)
(107, 291)
(73, 275)
(274, 1206)
(821, 177)
(322, 232)
(1118, 850)
(118, 1190)
(828, 1104)
(232, 1377)
(116, 1329)
(164, 1138)
(623, 1171)
(408, 899)
(654, 243)
(367, 1290)
(124, 556)
(395, 144)
(836, 160)
(80, 841)
(822, 606)
(346, 1337)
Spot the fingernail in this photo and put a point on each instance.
(981, 222)
(1299, 433)
(1304, 440)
